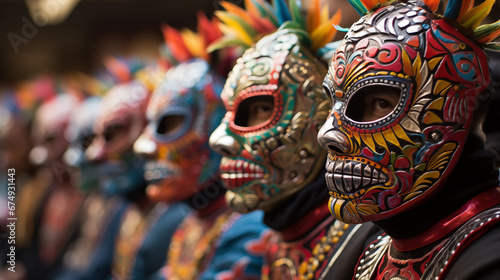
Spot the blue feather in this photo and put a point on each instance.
(282, 12)
(453, 9)
(358, 6)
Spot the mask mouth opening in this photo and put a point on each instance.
(376, 101)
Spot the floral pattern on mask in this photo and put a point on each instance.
(267, 162)
(379, 168)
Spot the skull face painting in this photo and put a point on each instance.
(268, 137)
(182, 113)
(405, 87)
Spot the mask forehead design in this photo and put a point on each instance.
(267, 162)
(181, 114)
(380, 167)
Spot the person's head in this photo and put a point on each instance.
(47, 134)
(119, 122)
(275, 107)
(407, 88)
(184, 109)
(80, 134)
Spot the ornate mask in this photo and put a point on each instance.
(119, 122)
(80, 134)
(184, 109)
(275, 107)
(48, 128)
(405, 86)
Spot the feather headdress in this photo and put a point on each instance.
(183, 45)
(463, 12)
(244, 27)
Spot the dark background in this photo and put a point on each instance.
(93, 29)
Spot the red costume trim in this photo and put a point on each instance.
(473, 207)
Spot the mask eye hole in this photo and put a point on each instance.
(372, 103)
(112, 132)
(254, 111)
(169, 123)
(87, 140)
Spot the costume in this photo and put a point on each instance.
(120, 120)
(409, 90)
(184, 109)
(275, 164)
(52, 204)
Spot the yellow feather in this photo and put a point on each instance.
(239, 32)
(474, 16)
(195, 44)
(325, 32)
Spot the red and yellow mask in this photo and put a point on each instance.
(405, 87)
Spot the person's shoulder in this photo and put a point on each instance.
(480, 259)
(239, 224)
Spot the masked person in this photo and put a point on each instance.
(89, 256)
(271, 158)
(145, 227)
(213, 242)
(409, 89)
(50, 204)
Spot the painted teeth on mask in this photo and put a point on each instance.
(156, 171)
(349, 176)
(237, 172)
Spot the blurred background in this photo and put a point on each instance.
(59, 36)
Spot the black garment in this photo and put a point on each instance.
(344, 265)
(298, 205)
(480, 260)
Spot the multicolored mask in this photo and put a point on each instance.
(406, 88)
(50, 122)
(183, 111)
(80, 134)
(275, 107)
(119, 122)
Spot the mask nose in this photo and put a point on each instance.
(145, 147)
(332, 139)
(222, 143)
(96, 151)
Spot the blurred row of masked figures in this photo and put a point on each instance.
(115, 179)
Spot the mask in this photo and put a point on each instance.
(183, 111)
(275, 107)
(80, 134)
(119, 122)
(50, 122)
(405, 86)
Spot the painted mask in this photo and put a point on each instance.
(275, 107)
(80, 133)
(405, 86)
(183, 111)
(50, 122)
(119, 122)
